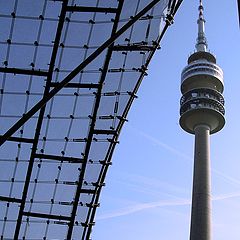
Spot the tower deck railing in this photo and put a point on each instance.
(202, 68)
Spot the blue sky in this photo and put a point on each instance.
(148, 188)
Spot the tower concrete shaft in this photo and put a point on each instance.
(201, 200)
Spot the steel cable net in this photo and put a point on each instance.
(51, 191)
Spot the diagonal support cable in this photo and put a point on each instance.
(74, 73)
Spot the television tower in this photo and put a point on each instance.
(202, 114)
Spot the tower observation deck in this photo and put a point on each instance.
(202, 114)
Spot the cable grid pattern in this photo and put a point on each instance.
(54, 162)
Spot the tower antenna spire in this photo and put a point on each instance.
(201, 45)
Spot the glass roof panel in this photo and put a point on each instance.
(53, 167)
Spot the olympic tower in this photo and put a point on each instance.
(201, 114)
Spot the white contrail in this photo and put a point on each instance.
(164, 145)
(226, 177)
(179, 202)
(141, 207)
(186, 157)
(151, 205)
(150, 186)
(225, 196)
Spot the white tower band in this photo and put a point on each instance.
(202, 113)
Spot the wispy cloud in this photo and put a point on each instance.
(226, 177)
(162, 144)
(184, 156)
(146, 206)
(135, 180)
(149, 185)
(141, 207)
(225, 196)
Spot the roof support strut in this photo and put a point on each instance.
(92, 129)
(74, 73)
(239, 10)
(40, 120)
(91, 214)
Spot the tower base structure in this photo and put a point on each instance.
(201, 199)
